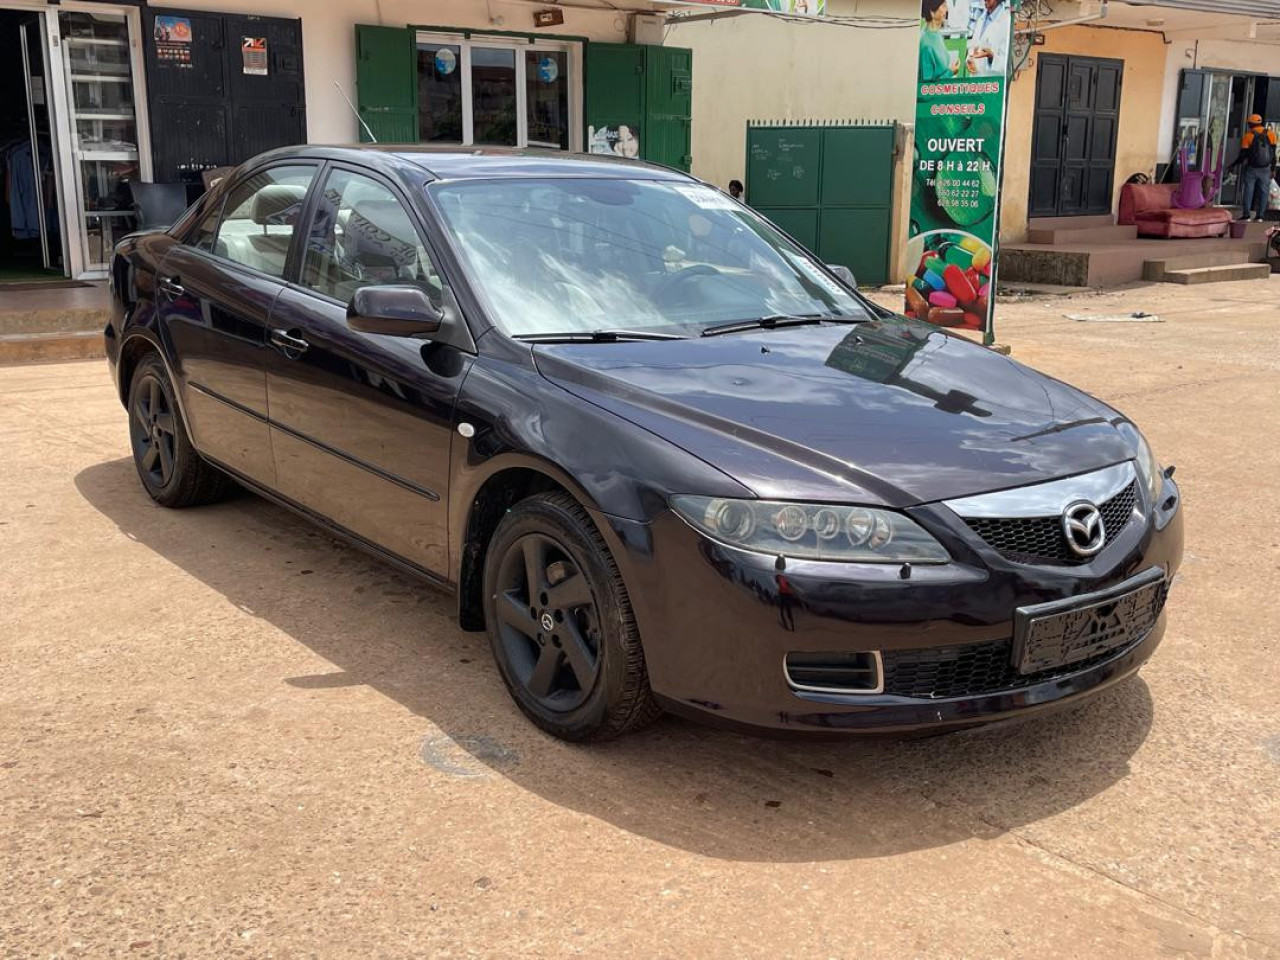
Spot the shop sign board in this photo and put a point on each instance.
(961, 101)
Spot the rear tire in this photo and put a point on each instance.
(171, 470)
(561, 625)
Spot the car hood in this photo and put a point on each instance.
(889, 411)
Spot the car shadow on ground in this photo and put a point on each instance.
(719, 794)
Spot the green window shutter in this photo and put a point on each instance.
(387, 83)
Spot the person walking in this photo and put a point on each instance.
(1258, 157)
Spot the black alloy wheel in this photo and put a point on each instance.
(560, 623)
(171, 470)
(152, 428)
(548, 622)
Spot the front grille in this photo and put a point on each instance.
(941, 673)
(1040, 540)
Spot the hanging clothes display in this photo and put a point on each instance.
(20, 188)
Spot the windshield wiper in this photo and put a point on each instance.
(774, 321)
(594, 336)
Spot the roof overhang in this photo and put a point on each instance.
(1246, 20)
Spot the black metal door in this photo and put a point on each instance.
(214, 103)
(1073, 150)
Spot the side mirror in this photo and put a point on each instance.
(397, 310)
(844, 273)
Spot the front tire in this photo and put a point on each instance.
(171, 470)
(560, 623)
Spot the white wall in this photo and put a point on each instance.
(759, 67)
(1240, 56)
(328, 39)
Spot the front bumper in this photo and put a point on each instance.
(718, 623)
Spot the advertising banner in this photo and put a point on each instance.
(961, 99)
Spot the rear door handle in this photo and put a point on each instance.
(288, 341)
(170, 287)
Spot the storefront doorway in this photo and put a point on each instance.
(72, 134)
(1213, 110)
(30, 222)
(1073, 147)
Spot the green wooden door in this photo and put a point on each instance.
(614, 96)
(387, 83)
(830, 187)
(669, 92)
(639, 102)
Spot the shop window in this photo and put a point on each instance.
(497, 92)
(546, 80)
(439, 92)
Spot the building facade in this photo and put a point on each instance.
(95, 94)
(1102, 92)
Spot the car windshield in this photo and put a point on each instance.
(582, 255)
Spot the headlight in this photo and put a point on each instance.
(1149, 469)
(812, 531)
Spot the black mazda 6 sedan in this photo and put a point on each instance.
(662, 455)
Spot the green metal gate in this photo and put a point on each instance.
(829, 185)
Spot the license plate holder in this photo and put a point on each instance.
(1057, 634)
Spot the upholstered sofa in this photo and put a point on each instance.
(1149, 207)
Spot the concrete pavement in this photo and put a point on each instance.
(224, 734)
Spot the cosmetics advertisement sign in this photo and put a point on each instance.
(962, 90)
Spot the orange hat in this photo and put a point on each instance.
(1256, 119)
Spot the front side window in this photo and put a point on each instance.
(577, 255)
(259, 218)
(363, 235)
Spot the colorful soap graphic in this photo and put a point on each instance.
(951, 285)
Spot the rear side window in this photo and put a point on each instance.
(204, 235)
(259, 218)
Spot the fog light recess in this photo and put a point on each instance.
(834, 672)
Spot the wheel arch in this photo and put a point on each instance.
(503, 484)
(139, 343)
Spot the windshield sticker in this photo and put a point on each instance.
(708, 198)
(812, 272)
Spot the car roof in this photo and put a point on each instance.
(460, 163)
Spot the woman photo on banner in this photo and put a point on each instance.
(936, 61)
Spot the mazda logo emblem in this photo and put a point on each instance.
(1082, 526)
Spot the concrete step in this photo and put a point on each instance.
(52, 321)
(1111, 233)
(1155, 270)
(1218, 274)
(1071, 223)
(42, 347)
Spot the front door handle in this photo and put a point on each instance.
(289, 341)
(171, 288)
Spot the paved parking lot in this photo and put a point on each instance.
(224, 734)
